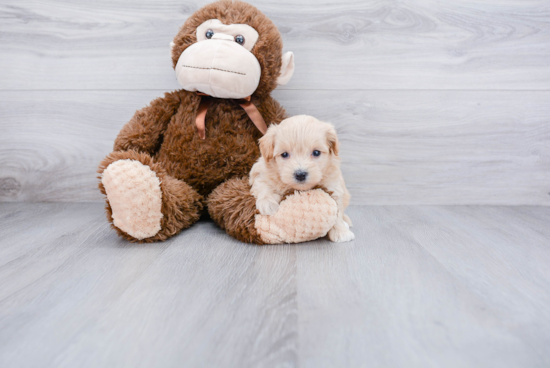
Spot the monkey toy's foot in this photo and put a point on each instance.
(133, 191)
(302, 216)
(144, 203)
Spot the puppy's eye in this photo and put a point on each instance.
(209, 33)
(316, 153)
(284, 155)
(239, 39)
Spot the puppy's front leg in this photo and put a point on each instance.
(341, 231)
(348, 220)
(268, 204)
(267, 200)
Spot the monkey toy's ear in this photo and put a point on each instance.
(287, 69)
(172, 44)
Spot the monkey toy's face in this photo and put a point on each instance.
(220, 63)
(232, 55)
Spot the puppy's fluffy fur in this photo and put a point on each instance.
(300, 153)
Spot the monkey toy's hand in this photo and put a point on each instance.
(301, 216)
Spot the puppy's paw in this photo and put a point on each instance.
(339, 234)
(266, 208)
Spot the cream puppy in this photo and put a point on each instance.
(300, 153)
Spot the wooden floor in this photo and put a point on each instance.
(422, 286)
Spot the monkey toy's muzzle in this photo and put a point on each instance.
(219, 68)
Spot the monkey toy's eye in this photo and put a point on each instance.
(209, 33)
(284, 155)
(239, 39)
(316, 153)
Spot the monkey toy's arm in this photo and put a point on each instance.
(143, 133)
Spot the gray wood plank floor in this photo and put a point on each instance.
(422, 286)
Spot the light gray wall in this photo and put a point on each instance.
(435, 102)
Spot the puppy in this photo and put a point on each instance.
(300, 153)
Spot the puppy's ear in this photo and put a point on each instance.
(267, 144)
(332, 141)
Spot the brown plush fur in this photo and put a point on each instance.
(163, 135)
(233, 208)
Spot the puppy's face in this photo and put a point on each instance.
(300, 149)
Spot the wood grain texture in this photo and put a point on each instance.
(429, 286)
(436, 103)
(79, 295)
(352, 44)
(398, 147)
(420, 286)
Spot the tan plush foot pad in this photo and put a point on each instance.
(133, 191)
(301, 217)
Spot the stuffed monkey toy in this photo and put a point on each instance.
(191, 150)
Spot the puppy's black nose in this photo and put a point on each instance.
(300, 175)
